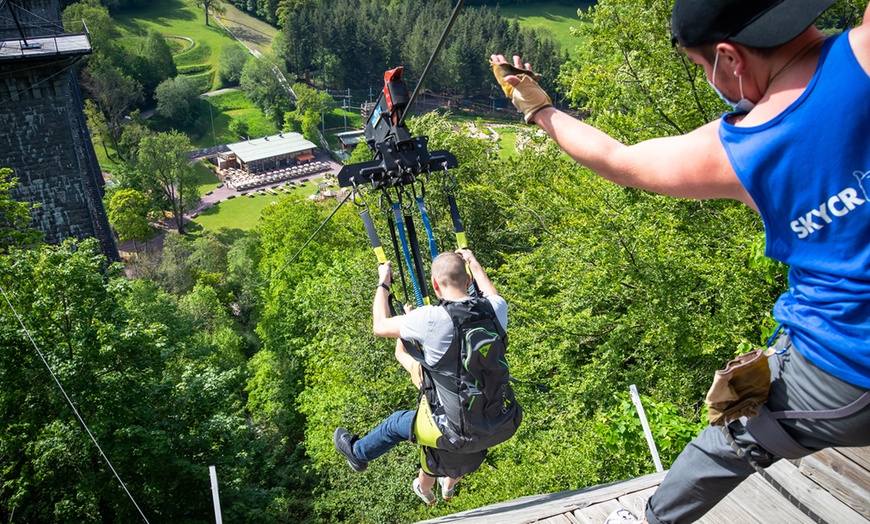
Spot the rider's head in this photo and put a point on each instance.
(448, 272)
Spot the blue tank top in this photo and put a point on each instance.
(808, 170)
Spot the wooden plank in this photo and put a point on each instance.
(835, 484)
(843, 478)
(860, 456)
(573, 519)
(583, 518)
(811, 494)
(536, 507)
(755, 500)
(533, 508)
(556, 519)
(636, 502)
(598, 513)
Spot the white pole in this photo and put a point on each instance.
(635, 397)
(214, 495)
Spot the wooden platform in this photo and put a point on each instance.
(45, 46)
(833, 483)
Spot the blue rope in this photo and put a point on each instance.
(400, 226)
(433, 249)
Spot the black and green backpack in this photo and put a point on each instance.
(469, 388)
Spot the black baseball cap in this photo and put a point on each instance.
(757, 23)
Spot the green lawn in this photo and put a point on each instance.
(507, 142)
(554, 17)
(226, 107)
(255, 33)
(243, 212)
(174, 19)
(208, 181)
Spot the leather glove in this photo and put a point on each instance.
(527, 96)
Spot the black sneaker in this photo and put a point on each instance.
(344, 444)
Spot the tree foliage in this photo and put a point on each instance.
(261, 82)
(115, 92)
(158, 382)
(231, 62)
(152, 62)
(128, 213)
(15, 228)
(209, 6)
(168, 174)
(404, 33)
(178, 100)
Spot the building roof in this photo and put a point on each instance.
(351, 138)
(833, 483)
(270, 146)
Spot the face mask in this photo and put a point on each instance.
(741, 106)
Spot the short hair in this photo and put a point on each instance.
(448, 269)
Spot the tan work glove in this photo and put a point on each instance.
(740, 388)
(527, 96)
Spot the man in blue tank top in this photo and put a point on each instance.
(784, 79)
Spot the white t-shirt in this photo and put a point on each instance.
(433, 328)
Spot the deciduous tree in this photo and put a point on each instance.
(128, 213)
(177, 100)
(15, 219)
(262, 81)
(114, 92)
(168, 174)
(214, 6)
(231, 62)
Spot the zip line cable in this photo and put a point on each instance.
(70, 402)
(432, 57)
(334, 211)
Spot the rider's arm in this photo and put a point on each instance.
(382, 324)
(483, 283)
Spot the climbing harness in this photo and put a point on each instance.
(771, 437)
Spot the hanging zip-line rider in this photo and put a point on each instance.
(466, 403)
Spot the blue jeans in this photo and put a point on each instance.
(708, 469)
(396, 428)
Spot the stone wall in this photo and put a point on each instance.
(45, 141)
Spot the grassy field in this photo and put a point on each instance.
(556, 18)
(243, 212)
(174, 19)
(227, 106)
(256, 34)
(208, 181)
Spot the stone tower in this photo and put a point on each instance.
(43, 133)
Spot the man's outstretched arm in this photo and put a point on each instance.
(693, 165)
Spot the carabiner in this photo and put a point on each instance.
(445, 177)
